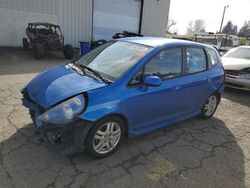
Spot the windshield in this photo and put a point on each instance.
(241, 53)
(114, 58)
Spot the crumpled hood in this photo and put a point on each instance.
(235, 63)
(59, 83)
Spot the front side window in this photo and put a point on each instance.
(195, 60)
(166, 64)
(114, 58)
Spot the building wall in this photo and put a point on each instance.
(112, 17)
(154, 17)
(38, 6)
(74, 17)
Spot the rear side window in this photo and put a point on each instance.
(212, 56)
(195, 60)
(166, 64)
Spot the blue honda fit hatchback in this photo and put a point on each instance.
(124, 88)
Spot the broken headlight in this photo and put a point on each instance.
(64, 112)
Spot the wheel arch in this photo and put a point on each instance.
(218, 94)
(122, 117)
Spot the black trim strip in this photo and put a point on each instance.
(141, 13)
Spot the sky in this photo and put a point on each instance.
(184, 11)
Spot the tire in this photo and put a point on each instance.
(210, 106)
(107, 142)
(68, 51)
(25, 44)
(32, 116)
(38, 51)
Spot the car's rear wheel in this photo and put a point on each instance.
(68, 51)
(38, 51)
(25, 44)
(210, 106)
(105, 137)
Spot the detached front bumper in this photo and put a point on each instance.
(69, 137)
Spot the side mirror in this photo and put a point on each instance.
(152, 81)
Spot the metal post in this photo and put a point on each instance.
(225, 7)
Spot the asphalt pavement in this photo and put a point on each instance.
(193, 153)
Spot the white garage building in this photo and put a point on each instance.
(83, 20)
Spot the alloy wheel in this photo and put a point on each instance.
(210, 106)
(107, 137)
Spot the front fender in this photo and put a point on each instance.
(95, 112)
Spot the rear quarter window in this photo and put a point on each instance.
(212, 56)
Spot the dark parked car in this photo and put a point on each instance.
(125, 88)
(43, 36)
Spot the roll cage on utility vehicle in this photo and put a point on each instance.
(46, 36)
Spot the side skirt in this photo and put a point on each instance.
(140, 131)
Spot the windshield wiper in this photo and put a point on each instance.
(94, 72)
(75, 68)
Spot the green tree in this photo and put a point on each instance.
(245, 30)
(230, 28)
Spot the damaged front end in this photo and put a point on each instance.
(60, 123)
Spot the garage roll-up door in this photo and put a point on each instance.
(113, 16)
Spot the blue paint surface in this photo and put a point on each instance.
(145, 108)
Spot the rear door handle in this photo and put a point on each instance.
(209, 80)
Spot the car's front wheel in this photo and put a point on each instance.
(210, 106)
(105, 137)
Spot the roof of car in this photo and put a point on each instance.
(43, 23)
(158, 41)
(243, 46)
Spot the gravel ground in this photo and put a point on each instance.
(193, 153)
